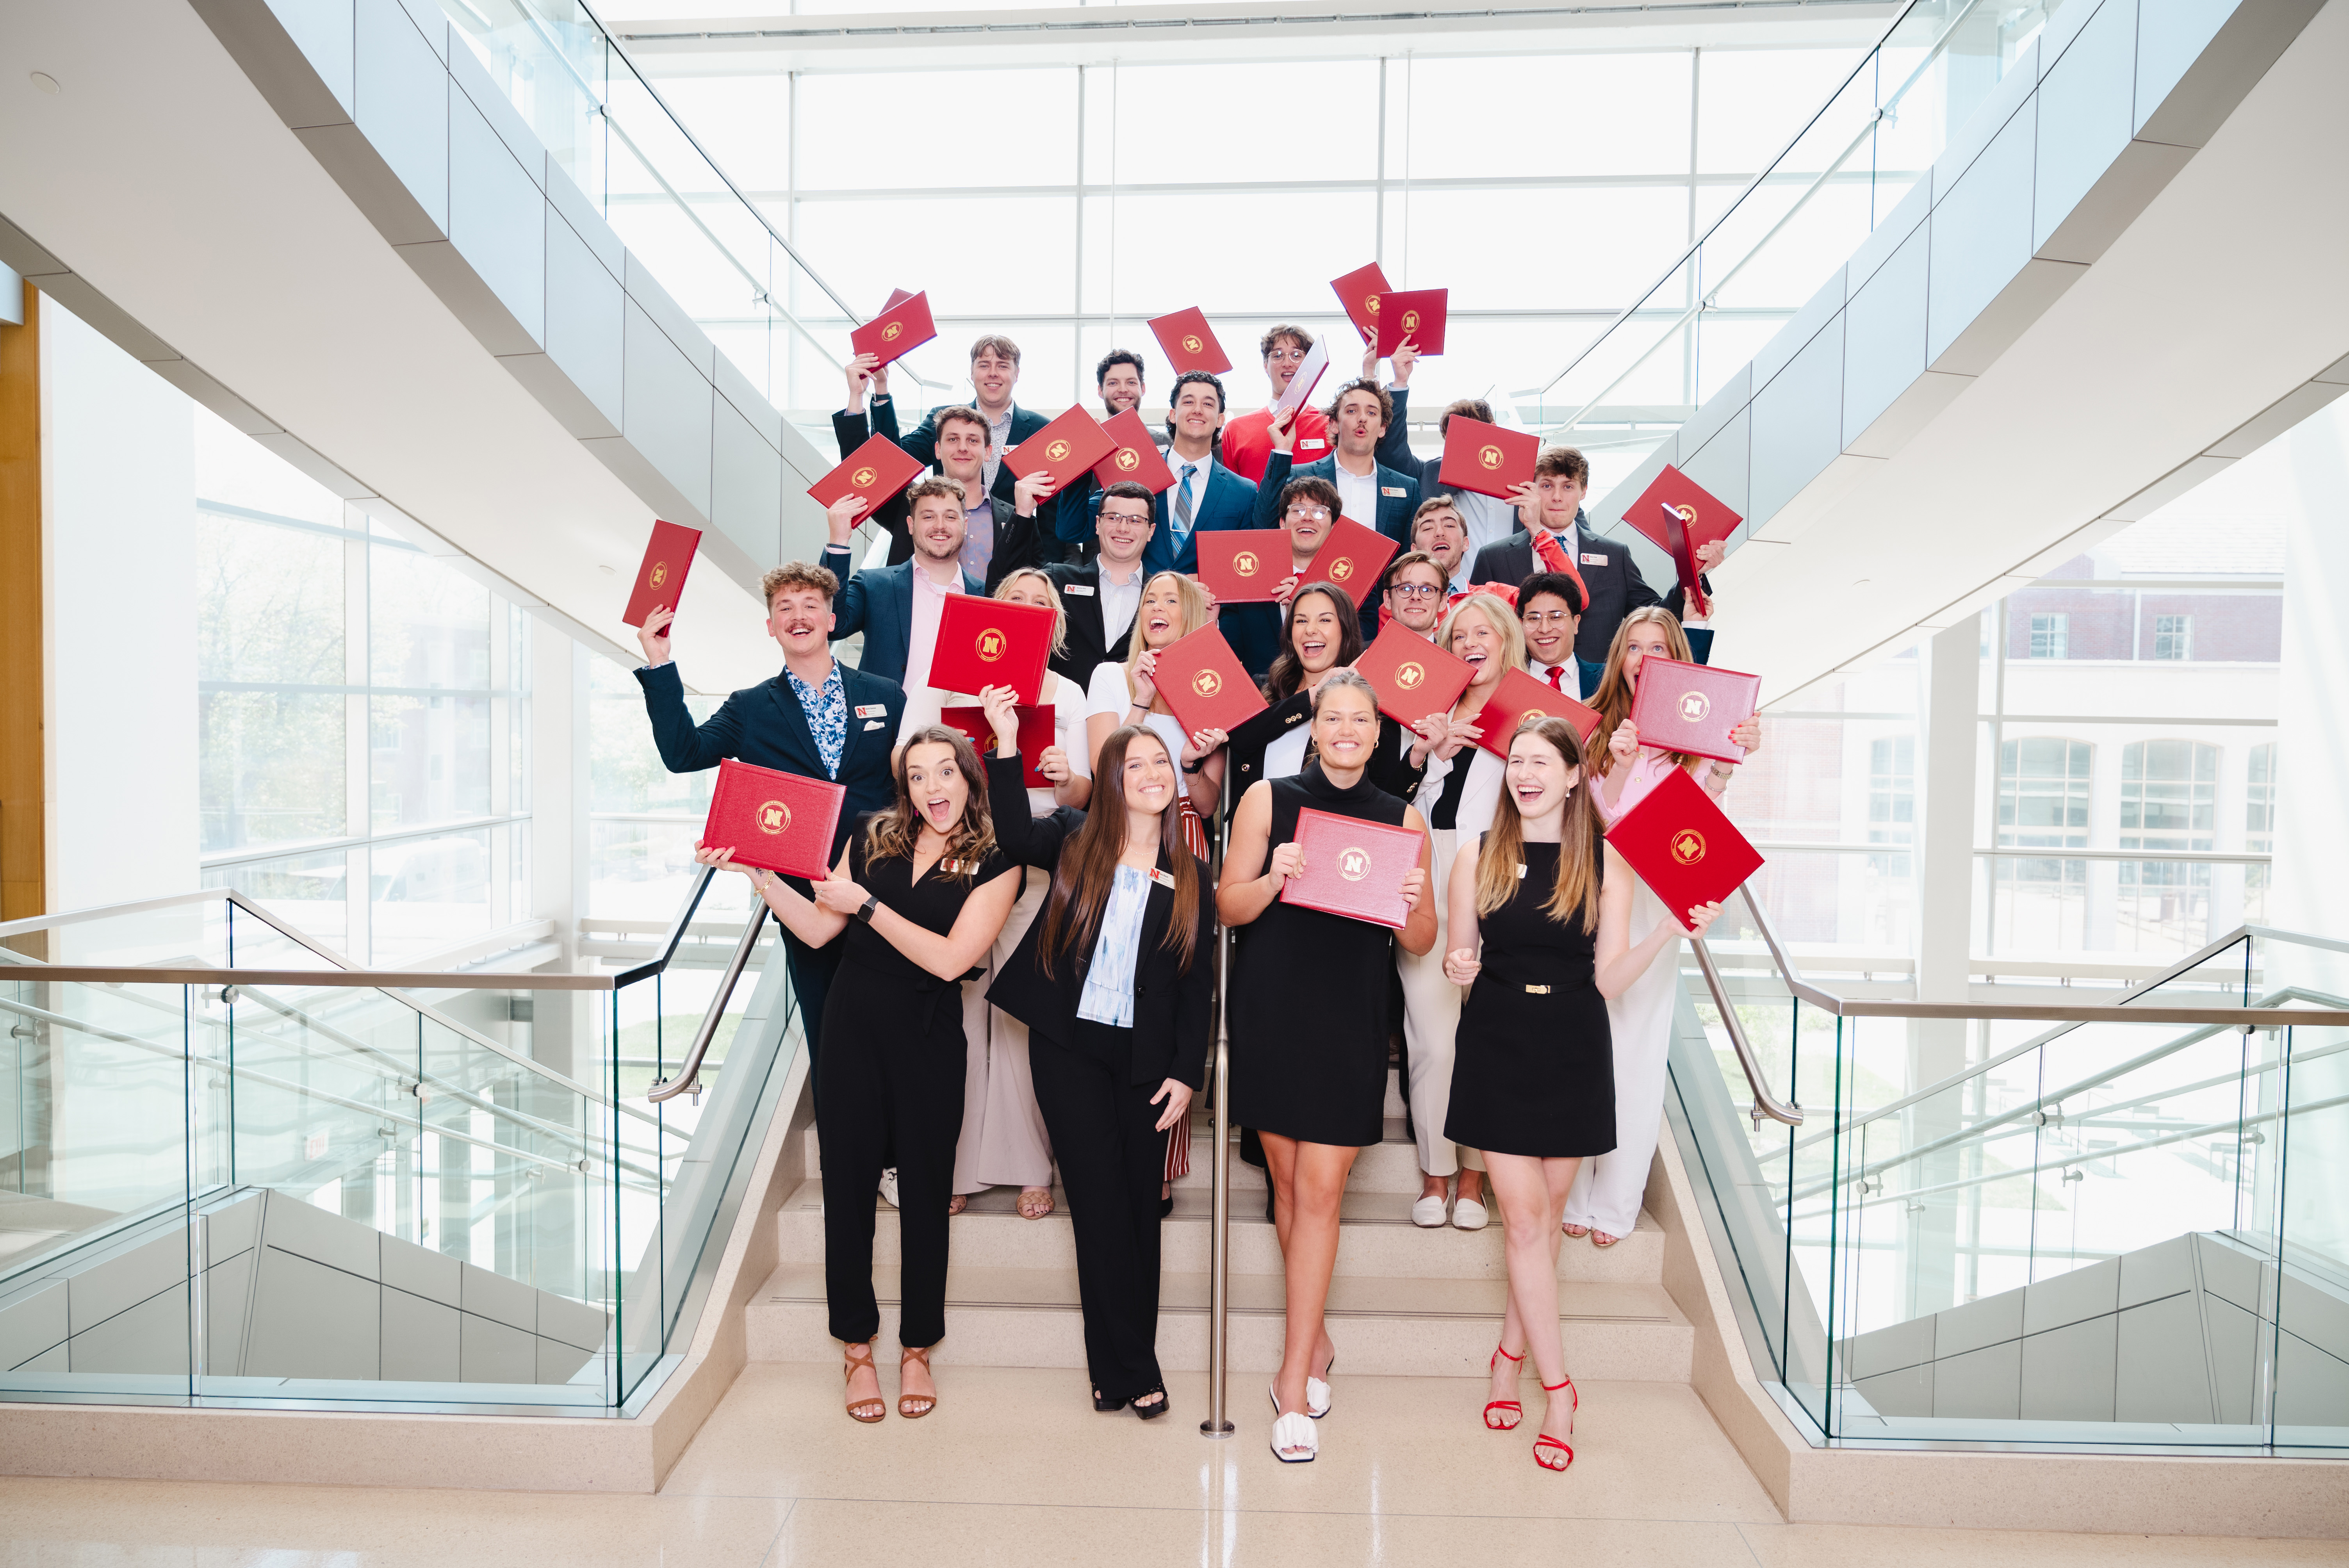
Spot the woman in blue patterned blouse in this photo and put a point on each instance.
(1114, 983)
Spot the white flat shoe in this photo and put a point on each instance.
(1428, 1212)
(1290, 1433)
(889, 1186)
(1468, 1214)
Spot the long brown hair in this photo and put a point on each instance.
(1088, 868)
(1287, 671)
(1581, 845)
(893, 833)
(1613, 697)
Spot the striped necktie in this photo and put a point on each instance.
(1182, 502)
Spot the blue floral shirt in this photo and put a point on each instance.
(826, 707)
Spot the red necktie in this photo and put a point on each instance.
(1555, 672)
(1552, 556)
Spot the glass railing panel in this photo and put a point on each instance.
(647, 1154)
(552, 62)
(1770, 250)
(94, 1183)
(2311, 1409)
(190, 930)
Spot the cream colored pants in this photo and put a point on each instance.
(1431, 1015)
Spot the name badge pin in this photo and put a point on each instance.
(872, 710)
(1163, 879)
(1076, 588)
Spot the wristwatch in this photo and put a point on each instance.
(1195, 767)
(865, 910)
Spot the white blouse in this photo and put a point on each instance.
(1112, 696)
(924, 705)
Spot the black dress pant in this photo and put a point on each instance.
(1112, 1161)
(891, 1083)
(812, 971)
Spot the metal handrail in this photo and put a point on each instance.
(1765, 1102)
(688, 1073)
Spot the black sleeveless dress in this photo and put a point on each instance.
(1308, 1009)
(1532, 1069)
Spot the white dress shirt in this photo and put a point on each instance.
(922, 644)
(1359, 494)
(1120, 602)
(1196, 471)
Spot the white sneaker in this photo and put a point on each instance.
(1428, 1212)
(889, 1186)
(1468, 1214)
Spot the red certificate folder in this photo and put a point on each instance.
(1134, 456)
(775, 821)
(1487, 459)
(1063, 448)
(1204, 682)
(1519, 697)
(988, 643)
(1416, 315)
(1412, 676)
(875, 470)
(1190, 343)
(1680, 516)
(1242, 566)
(1352, 557)
(897, 297)
(669, 555)
(1353, 868)
(1359, 290)
(901, 327)
(1693, 707)
(1682, 847)
(1037, 734)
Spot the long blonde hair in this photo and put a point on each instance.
(893, 833)
(1195, 615)
(1581, 846)
(1613, 697)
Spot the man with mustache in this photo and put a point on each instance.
(1370, 492)
(818, 719)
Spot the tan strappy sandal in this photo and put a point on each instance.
(877, 1404)
(906, 1402)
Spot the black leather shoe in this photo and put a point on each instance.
(1166, 1205)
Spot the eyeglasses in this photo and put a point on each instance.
(1126, 517)
(1310, 513)
(1285, 357)
(1415, 590)
(1546, 617)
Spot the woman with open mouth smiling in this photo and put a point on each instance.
(1116, 983)
(919, 893)
(1540, 924)
(1604, 1204)
(1462, 786)
(1309, 1020)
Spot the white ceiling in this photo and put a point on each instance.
(159, 175)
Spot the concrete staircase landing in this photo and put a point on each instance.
(1404, 1301)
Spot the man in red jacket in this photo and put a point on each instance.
(1248, 439)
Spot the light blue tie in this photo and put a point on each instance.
(1183, 505)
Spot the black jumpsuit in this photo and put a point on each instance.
(889, 1078)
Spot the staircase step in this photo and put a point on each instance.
(1375, 1239)
(1386, 1326)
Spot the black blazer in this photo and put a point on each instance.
(762, 725)
(1089, 645)
(1173, 1008)
(1616, 586)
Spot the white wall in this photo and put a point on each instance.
(119, 550)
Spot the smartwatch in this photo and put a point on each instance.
(1195, 767)
(865, 910)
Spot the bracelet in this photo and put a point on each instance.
(1721, 771)
(1198, 767)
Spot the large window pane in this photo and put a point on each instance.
(1257, 270)
(428, 760)
(427, 626)
(1550, 114)
(1236, 124)
(918, 129)
(1011, 254)
(272, 767)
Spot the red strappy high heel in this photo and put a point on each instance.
(1515, 1412)
(1545, 1441)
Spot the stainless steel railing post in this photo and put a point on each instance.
(1219, 1246)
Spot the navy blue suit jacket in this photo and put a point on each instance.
(1398, 494)
(762, 725)
(1225, 502)
(879, 603)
